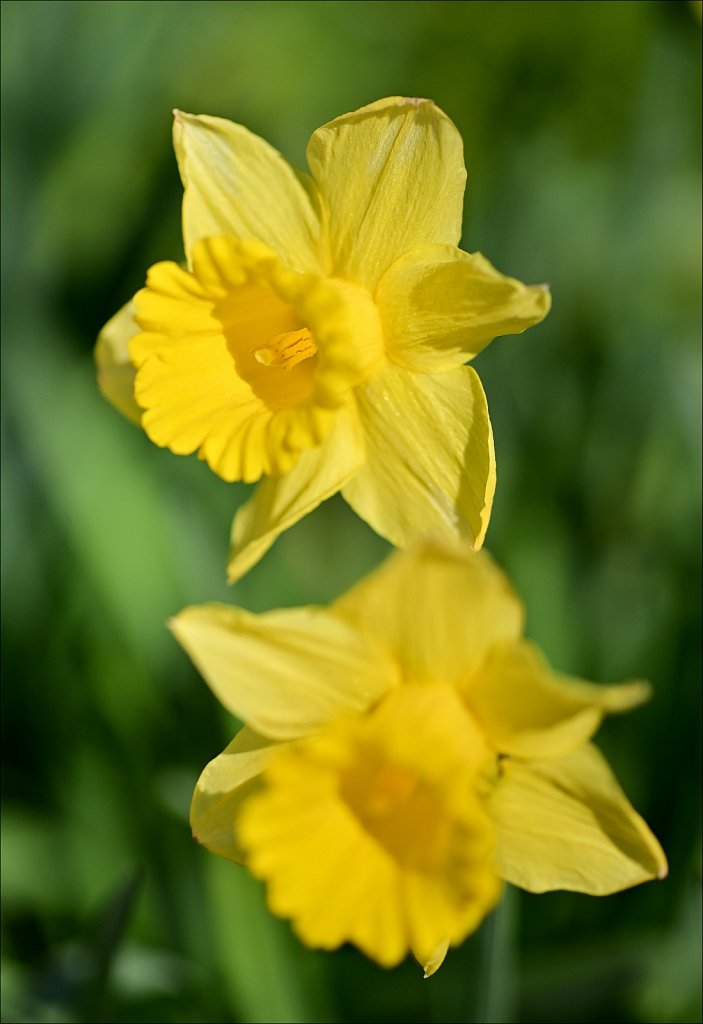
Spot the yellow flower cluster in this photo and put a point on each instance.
(406, 749)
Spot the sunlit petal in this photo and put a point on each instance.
(225, 782)
(236, 183)
(430, 463)
(439, 608)
(529, 710)
(279, 502)
(440, 306)
(566, 824)
(258, 666)
(391, 176)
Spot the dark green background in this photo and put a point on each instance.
(581, 124)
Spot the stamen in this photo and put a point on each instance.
(287, 350)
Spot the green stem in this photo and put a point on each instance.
(497, 998)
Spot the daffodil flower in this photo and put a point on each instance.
(317, 336)
(403, 752)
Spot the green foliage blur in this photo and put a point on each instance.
(581, 124)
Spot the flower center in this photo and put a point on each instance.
(287, 350)
(402, 811)
(272, 348)
(246, 360)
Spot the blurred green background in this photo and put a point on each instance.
(581, 124)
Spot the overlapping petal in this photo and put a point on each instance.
(430, 461)
(566, 824)
(301, 838)
(440, 306)
(288, 672)
(279, 502)
(236, 183)
(391, 176)
(187, 380)
(199, 378)
(115, 371)
(188, 385)
(529, 711)
(439, 609)
(224, 784)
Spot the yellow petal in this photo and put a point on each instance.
(287, 672)
(391, 176)
(225, 782)
(236, 184)
(440, 306)
(430, 462)
(529, 711)
(439, 609)
(566, 824)
(371, 831)
(187, 380)
(198, 377)
(321, 869)
(432, 963)
(280, 502)
(115, 371)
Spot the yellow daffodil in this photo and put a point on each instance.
(404, 751)
(317, 336)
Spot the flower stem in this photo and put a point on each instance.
(498, 990)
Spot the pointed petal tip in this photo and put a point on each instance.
(662, 864)
(543, 295)
(434, 961)
(641, 691)
(181, 118)
(626, 696)
(175, 623)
